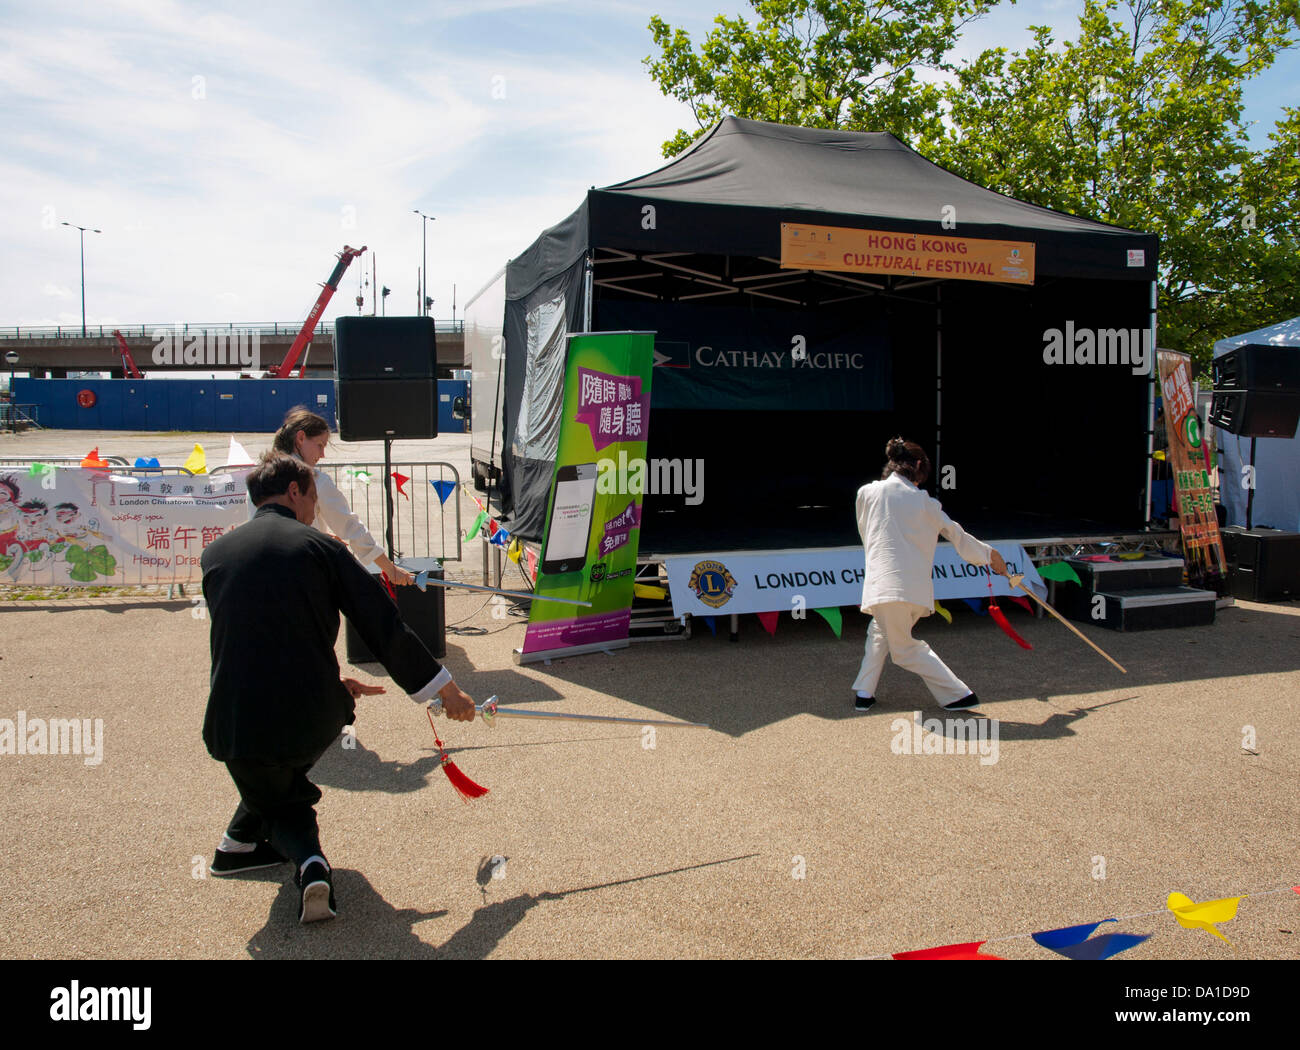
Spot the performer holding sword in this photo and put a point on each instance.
(900, 527)
(274, 589)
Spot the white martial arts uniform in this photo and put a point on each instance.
(900, 527)
(334, 515)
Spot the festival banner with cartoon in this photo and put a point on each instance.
(593, 520)
(1197, 520)
(72, 526)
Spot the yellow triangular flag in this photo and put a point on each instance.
(943, 612)
(1192, 916)
(645, 590)
(198, 461)
(512, 552)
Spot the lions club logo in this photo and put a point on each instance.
(712, 583)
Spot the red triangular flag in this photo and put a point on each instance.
(92, 460)
(768, 620)
(1022, 602)
(401, 480)
(969, 950)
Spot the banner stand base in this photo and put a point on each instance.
(547, 655)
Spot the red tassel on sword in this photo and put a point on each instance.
(1000, 618)
(465, 787)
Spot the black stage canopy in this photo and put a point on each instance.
(692, 252)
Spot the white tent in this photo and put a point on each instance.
(1277, 460)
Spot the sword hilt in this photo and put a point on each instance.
(486, 710)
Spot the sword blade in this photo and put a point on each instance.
(515, 712)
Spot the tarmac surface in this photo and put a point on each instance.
(791, 828)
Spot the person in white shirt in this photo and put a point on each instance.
(305, 435)
(900, 527)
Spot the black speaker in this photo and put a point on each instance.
(1256, 413)
(1264, 563)
(386, 382)
(1258, 366)
(424, 612)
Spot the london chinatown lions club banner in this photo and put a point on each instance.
(905, 254)
(780, 581)
(73, 526)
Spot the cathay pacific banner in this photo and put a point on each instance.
(733, 358)
(776, 581)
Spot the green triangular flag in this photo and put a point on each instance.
(478, 524)
(1059, 571)
(833, 617)
(37, 469)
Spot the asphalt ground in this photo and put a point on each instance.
(791, 828)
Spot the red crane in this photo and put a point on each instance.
(128, 362)
(345, 258)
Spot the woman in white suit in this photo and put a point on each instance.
(900, 527)
(305, 435)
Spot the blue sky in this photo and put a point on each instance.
(229, 153)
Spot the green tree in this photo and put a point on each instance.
(815, 63)
(1137, 122)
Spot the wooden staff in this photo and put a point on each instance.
(1017, 581)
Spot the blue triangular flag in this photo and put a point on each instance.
(140, 461)
(444, 489)
(977, 604)
(501, 538)
(712, 621)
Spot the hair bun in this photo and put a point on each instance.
(896, 450)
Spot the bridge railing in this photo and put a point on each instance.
(146, 331)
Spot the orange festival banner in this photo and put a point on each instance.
(905, 254)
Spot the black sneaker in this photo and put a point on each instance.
(316, 893)
(264, 855)
(863, 703)
(969, 700)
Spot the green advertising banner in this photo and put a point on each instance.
(593, 516)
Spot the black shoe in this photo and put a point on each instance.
(969, 700)
(316, 893)
(264, 855)
(863, 703)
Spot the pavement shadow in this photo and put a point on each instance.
(117, 606)
(367, 927)
(805, 669)
(360, 769)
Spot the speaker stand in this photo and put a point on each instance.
(388, 496)
(1250, 492)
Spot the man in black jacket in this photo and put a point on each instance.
(274, 589)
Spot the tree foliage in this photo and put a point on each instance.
(1137, 121)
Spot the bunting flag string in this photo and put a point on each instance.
(1060, 571)
(834, 617)
(478, 524)
(198, 461)
(1077, 942)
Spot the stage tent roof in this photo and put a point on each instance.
(728, 194)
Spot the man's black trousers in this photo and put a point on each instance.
(277, 803)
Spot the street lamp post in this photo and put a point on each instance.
(12, 358)
(424, 232)
(83, 230)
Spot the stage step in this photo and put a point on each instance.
(1134, 595)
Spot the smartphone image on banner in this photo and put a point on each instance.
(569, 530)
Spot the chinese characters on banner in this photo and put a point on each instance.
(1202, 544)
(593, 521)
(75, 526)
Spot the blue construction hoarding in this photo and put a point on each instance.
(221, 405)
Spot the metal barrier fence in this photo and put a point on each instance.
(146, 331)
(422, 524)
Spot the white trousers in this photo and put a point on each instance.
(890, 634)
